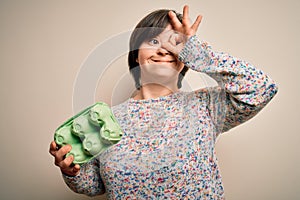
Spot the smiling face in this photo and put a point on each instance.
(149, 27)
(158, 65)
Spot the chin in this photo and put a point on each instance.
(159, 74)
(160, 70)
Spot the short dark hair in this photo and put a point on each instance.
(150, 26)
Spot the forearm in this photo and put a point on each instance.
(243, 81)
(247, 89)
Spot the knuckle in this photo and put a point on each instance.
(63, 151)
(66, 162)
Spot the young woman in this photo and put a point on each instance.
(168, 147)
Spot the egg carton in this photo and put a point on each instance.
(90, 132)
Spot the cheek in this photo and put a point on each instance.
(143, 57)
(145, 54)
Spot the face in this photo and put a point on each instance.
(156, 62)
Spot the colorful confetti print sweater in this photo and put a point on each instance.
(168, 147)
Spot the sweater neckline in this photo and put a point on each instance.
(159, 99)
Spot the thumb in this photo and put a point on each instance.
(174, 49)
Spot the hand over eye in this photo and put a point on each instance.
(182, 31)
(175, 43)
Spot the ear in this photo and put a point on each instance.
(137, 60)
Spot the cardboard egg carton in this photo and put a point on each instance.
(90, 132)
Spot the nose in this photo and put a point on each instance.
(162, 51)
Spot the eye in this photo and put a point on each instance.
(153, 41)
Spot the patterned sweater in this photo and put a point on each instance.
(168, 147)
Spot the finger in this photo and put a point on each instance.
(177, 38)
(66, 162)
(76, 168)
(196, 23)
(52, 149)
(185, 17)
(172, 39)
(180, 38)
(171, 48)
(67, 168)
(62, 152)
(185, 12)
(174, 21)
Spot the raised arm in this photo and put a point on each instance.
(247, 89)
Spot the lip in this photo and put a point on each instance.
(162, 61)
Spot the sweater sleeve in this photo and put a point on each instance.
(88, 181)
(246, 89)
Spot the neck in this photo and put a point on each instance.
(150, 91)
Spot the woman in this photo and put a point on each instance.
(168, 146)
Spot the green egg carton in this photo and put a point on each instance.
(90, 132)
